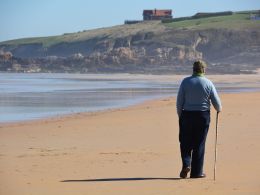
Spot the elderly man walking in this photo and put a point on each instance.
(195, 95)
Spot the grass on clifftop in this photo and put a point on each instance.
(237, 21)
(109, 32)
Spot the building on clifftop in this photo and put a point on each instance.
(157, 14)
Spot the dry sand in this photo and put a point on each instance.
(133, 150)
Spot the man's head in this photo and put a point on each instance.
(199, 67)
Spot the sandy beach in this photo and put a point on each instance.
(132, 150)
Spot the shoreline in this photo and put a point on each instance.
(82, 114)
(94, 113)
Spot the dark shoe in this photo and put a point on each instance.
(203, 175)
(184, 172)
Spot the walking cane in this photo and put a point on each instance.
(216, 142)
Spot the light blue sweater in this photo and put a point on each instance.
(196, 93)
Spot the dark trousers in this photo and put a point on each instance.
(194, 127)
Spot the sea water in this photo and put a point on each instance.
(35, 96)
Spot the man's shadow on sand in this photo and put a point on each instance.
(121, 179)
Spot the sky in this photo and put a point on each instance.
(39, 18)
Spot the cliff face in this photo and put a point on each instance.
(161, 50)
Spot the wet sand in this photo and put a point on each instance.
(133, 150)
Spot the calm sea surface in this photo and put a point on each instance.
(34, 96)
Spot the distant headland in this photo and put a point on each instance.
(159, 44)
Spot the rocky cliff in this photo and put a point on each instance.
(148, 47)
